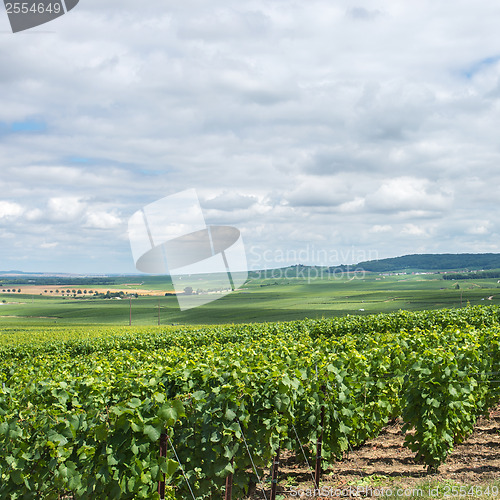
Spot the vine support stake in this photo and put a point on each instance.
(319, 443)
(229, 484)
(130, 311)
(163, 453)
(276, 465)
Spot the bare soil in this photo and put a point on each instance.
(385, 463)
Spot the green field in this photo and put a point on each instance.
(260, 299)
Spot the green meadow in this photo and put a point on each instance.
(282, 297)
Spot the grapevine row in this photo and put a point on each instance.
(84, 417)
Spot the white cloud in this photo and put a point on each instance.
(46, 246)
(381, 228)
(414, 230)
(102, 220)
(34, 214)
(410, 194)
(65, 208)
(228, 201)
(480, 228)
(352, 206)
(10, 209)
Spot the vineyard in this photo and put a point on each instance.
(111, 412)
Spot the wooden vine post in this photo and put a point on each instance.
(276, 465)
(319, 443)
(229, 484)
(163, 453)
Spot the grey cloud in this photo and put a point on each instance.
(360, 13)
(347, 158)
(318, 192)
(225, 24)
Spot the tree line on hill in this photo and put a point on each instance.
(58, 281)
(427, 262)
(472, 275)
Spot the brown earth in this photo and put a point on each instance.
(384, 463)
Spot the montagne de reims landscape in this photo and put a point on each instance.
(249, 250)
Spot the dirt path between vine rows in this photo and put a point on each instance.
(384, 463)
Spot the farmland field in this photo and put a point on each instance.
(261, 299)
(85, 409)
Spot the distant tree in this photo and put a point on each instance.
(457, 287)
(188, 290)
(57, 290)
(18, 290)
(45, 291)
(73, 292)
(79, 292)
(85, 291)
(68, 291)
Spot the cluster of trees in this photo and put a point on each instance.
(89, 293)
(472, 275)
(71, 292)
(8, 290)
(114, 295)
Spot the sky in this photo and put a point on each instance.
(326, 132)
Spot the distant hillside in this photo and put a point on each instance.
(295, 271)
(31, 279)
(430, 262)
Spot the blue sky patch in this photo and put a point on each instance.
(28, 126)
(481, 65)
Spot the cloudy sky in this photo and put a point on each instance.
(327, 132)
